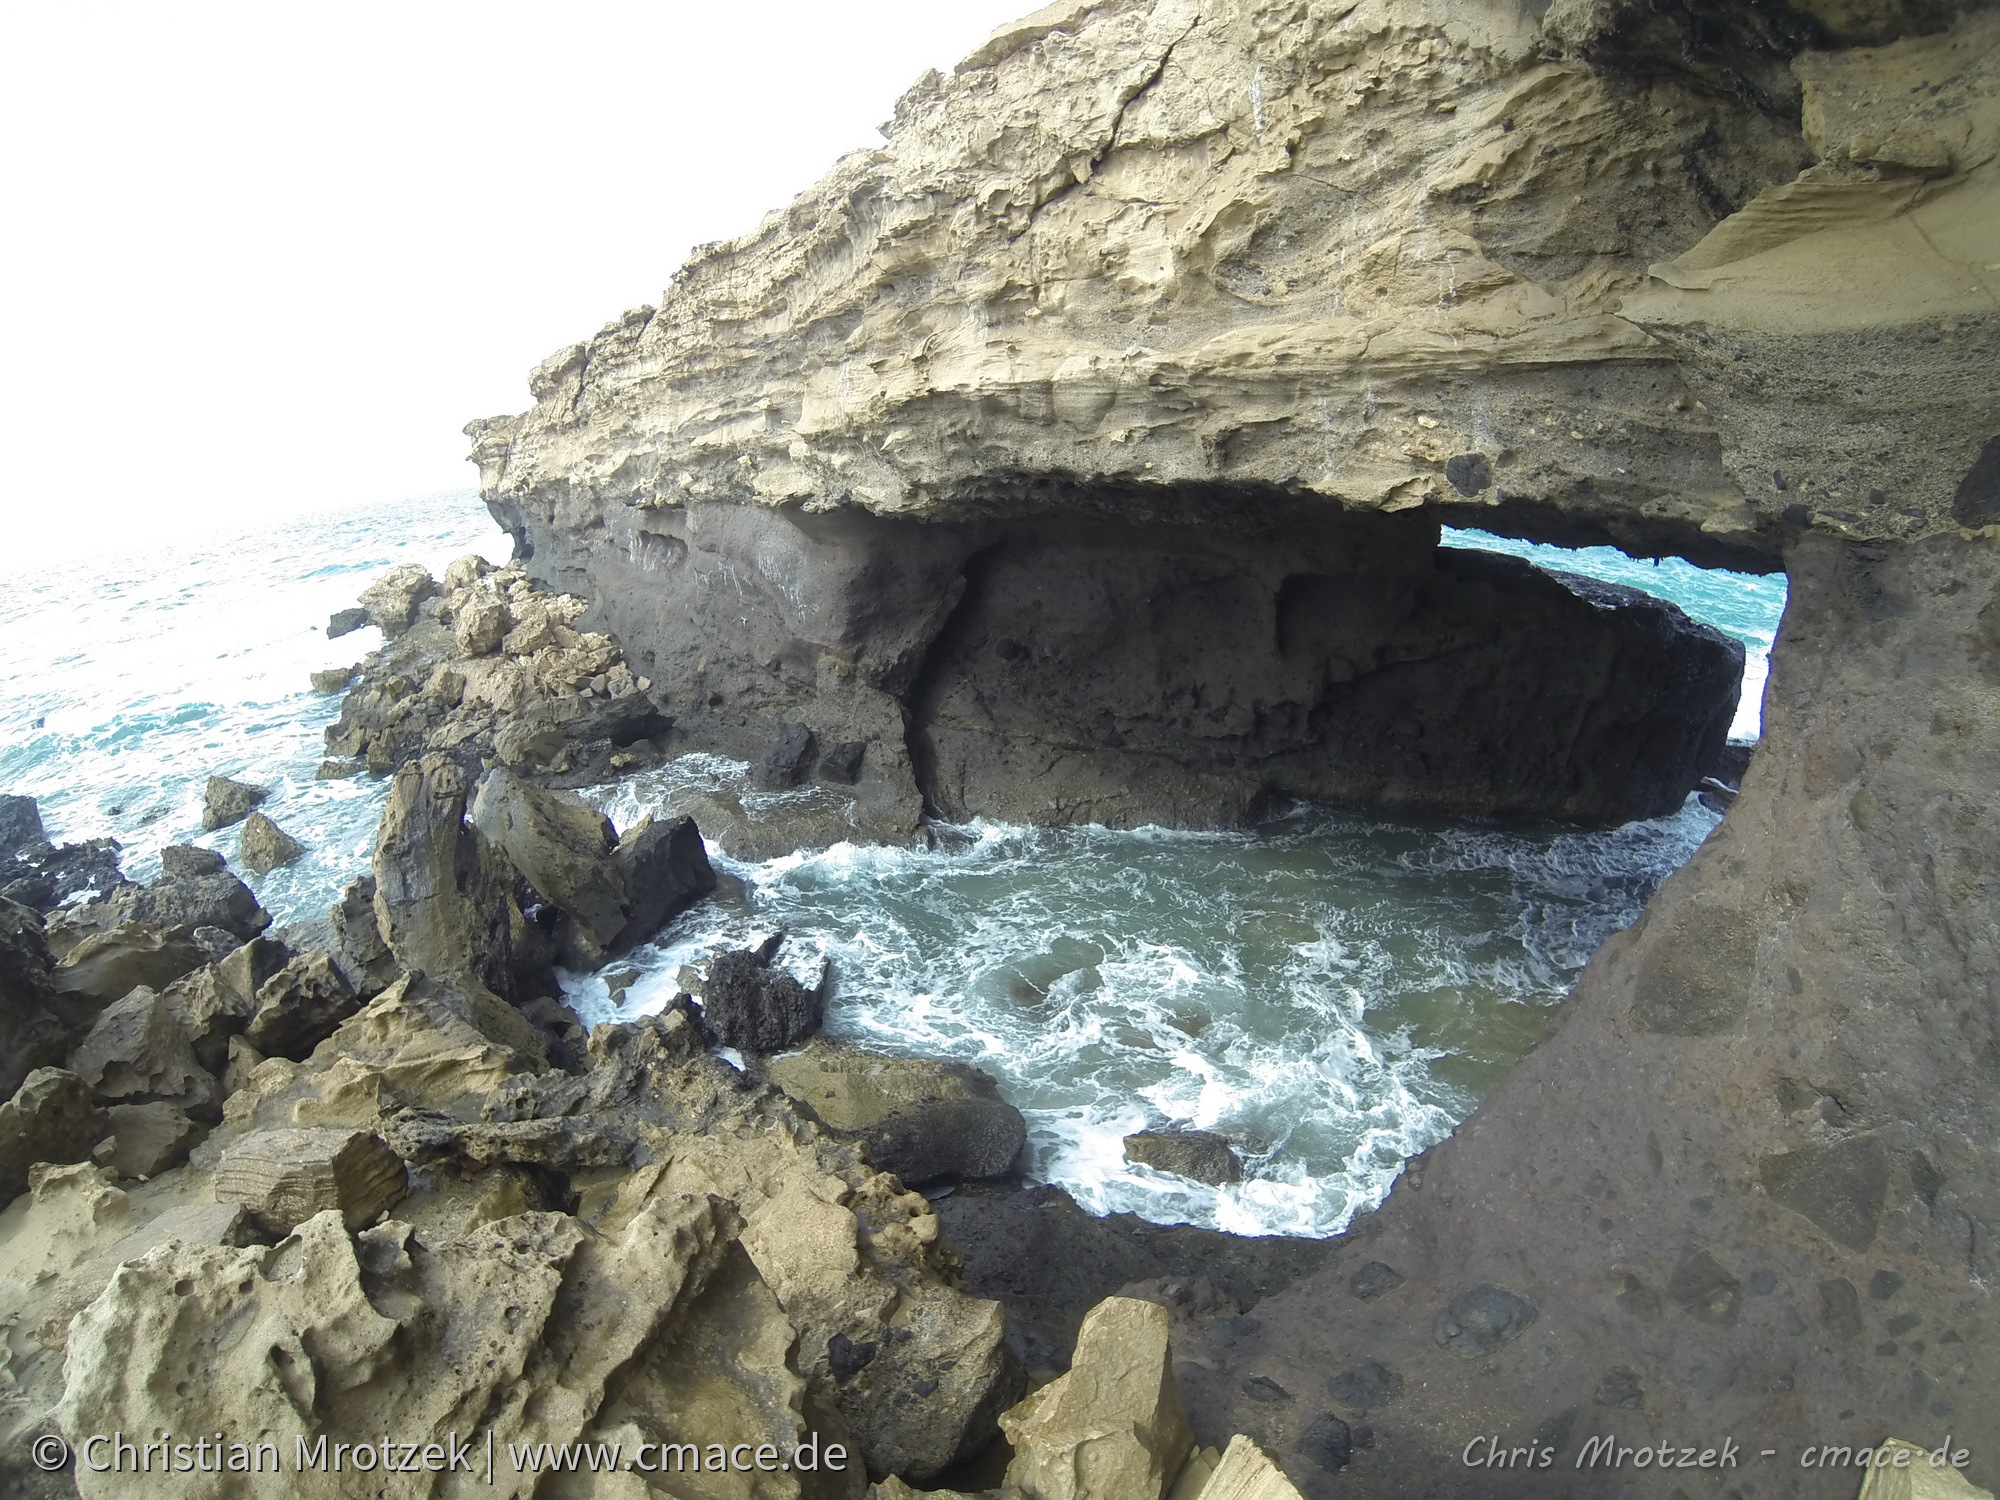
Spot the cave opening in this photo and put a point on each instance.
(1129, 919)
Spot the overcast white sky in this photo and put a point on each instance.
(262, 258)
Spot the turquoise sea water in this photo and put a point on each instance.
(1333, 991)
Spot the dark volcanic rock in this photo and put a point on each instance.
(784, 761)
(842, 763)
(755, 1008)
(1199, 1155)
(666, 871)
(213, 898)
(1049, 1262)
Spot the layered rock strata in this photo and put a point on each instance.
(1705, 280)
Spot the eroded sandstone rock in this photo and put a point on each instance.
(136, 1051)
(1113, 1428)
(50, 1118)
(285, 1177)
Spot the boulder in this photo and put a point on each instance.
(784, 761)
(666, 870)
(225, 802)
(266, 846)
(284, 1177)
(392, 600)
(334, 680)
(481, 623)
(345, 622)
(51, 1118)
(215, 1002)
(445, 897)
(562, 846)
(755, 1008)
(147, 1139)
(137, 1051)
(41, 875)
(1113, 1428)
(38, 1023)
(924, 1120)
(299, 1006)
(107, 966)
(214, 898)
(466, 570)
(1200, 1155)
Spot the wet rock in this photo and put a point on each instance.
(784, 761)
(1050, 1262)
(1199, 1155)
(285, 1177)
(225, 802)
(1482, 1320)
(266, 846)
(334, 680)
(842, 763)
(107, 966)
(1268, 1391)
(50, 1118)
(41, 875)
(1840, 1308)
(147, 1139)
(345, 622)
(299, 1006)
(926, 1121)
(186, 900)
(137, 1052)
(1113, 1425)
(392, 600)
(666, 871)
(1621, 1388)
(758, 1009)
(339, 770)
